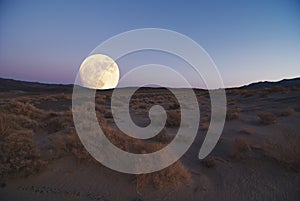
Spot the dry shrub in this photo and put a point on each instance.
(171, 176)
(25, 109)
(63, 96)
(57, 121)
(204, 126)
(53, 125)
(108, 114)
(241, 148)
(209, 161)
(15, 122)
(174, 106)
(162, 137)
(264, 93)
(287, 112)
(248, 131)
(267, 118)
(20, 122)
(168, 176)
(68, 143)
(232, 114)
(247, 93)
(4, 125)
(294, 88)
(174, 118)
(278, 89)
(100, 100)
(143, 105)
(25, 99)
(231, 102)
(19, 154)
(50, 98)
(284, 148)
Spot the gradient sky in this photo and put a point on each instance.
(249, 41)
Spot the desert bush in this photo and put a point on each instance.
(100, 100)
(267, 118)
(25, 99)
(204, 126)
(55, 122)
(19, 155)
(20, 122)
(162, 137)
(285, 149)
(4, 124)
(294, 88)
(231, 102)
(247, 93)
(287, 112)
(241, 147)
(173, 175)
(264, 93)
(62, 96)
(143, 105)
(174, 106)
(209, 161)
(168, 176)
(232, 114)
(248, 131)
(278, 89)
(174, 118)
(15, 122)
(68, 143)
(25, 109)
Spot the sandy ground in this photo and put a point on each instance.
(252, 177)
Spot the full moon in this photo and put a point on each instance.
(99, 71)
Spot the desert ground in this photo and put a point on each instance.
(256, 158)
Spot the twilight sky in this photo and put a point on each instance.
(249, 41)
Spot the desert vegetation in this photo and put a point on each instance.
(38, 131)
(267, 118)
(241, 148)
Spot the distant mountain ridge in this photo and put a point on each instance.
(270, 84)
(17, 85)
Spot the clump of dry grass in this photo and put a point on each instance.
(241, 148)
(162, 137)
(204, 126)
(209, 161)
(278, 89)
(232, 114)
(18, 108)
(4, 125)
(19, 154)
(173, 175)
(264, 93)
(174, 118)
(248, 131)
(285, 149)
(169, 176)
(174, 106)
(267, 118)
(57, 121)
(231, 102)
(68, 143)
(287, 112)
(247, 93)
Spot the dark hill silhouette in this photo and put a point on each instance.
(267, 84)
(17, 85)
